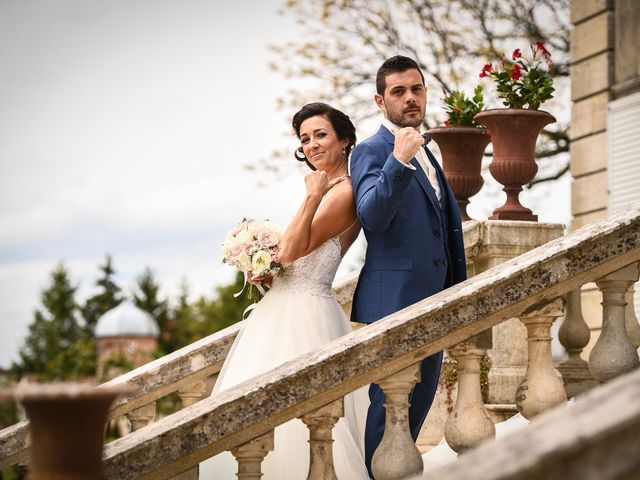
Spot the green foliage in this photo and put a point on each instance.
(461, 109)
(15, 472)
(56, 346)
(191, 322)
(59, 347)
(115, 365)
(108, 297)
(8, 411)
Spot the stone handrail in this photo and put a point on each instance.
(234, 417)
(185, 366)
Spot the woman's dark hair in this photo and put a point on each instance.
(340, 122)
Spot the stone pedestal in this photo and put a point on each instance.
(502, 241)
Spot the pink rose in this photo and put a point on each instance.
(247, 247)
(235, 250)
(267, 238)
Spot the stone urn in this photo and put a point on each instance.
(462, 149)
(67, 422)
(513, 133)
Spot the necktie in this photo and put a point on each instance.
(428, 168)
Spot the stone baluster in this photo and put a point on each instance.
(502, 241)
(541, 388)
(320, 423)
(469, 422)
(192, 393)
(574, 335)
(251, 454)
(142, 416)
(614, 354)
(630, 319)
(188, 396)
(397, 455)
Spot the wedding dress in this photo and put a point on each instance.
(297, 314)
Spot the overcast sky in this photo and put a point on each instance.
(124, 126)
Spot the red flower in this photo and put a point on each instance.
(540, 46)
(486, 70)
(515, 72)
(516, 54)
(447, 123)
(487, 133)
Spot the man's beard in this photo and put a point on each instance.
(403, 122)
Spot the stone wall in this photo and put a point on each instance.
(605, 64)
(591, 77)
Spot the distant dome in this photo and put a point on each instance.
(126, 320)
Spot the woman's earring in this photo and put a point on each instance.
(344, 151)
(299, 154)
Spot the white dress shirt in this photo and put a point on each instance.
(423, 160)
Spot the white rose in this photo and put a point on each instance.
(243, 236)
(253, 228)
(243, 262)
(260, 263)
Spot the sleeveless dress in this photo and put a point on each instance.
(298, 314)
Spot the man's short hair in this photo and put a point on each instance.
(397, 64)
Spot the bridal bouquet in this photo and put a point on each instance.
(252, 248)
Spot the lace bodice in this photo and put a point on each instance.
(313, 273)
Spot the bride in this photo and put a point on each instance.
(299, 312)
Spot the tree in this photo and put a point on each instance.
(346, 40)
(225, 308)
(57, 347)
(107, 298)
(184, 326)
(192, 321)
(146, 297)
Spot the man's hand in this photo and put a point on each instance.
(407, 143)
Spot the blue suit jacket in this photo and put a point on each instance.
(414, 243)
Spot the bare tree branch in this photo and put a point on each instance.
(346, 40)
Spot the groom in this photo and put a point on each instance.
(412, 225)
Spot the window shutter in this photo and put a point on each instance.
(623, 132)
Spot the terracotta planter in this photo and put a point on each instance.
(514, 133)
(67, 424)
(462, 149)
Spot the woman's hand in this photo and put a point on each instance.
(318, 183)
(260, 280)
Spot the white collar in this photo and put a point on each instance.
(392, 127)
(389, 125)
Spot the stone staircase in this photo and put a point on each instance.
(508, 286)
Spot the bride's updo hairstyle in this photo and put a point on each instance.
(340, 122)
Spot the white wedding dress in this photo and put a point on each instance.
(298, 314)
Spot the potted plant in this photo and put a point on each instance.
(523, 83)
(462, 143)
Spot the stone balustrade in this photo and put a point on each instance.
(596, 437)
(519, 287)
(181, 370)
